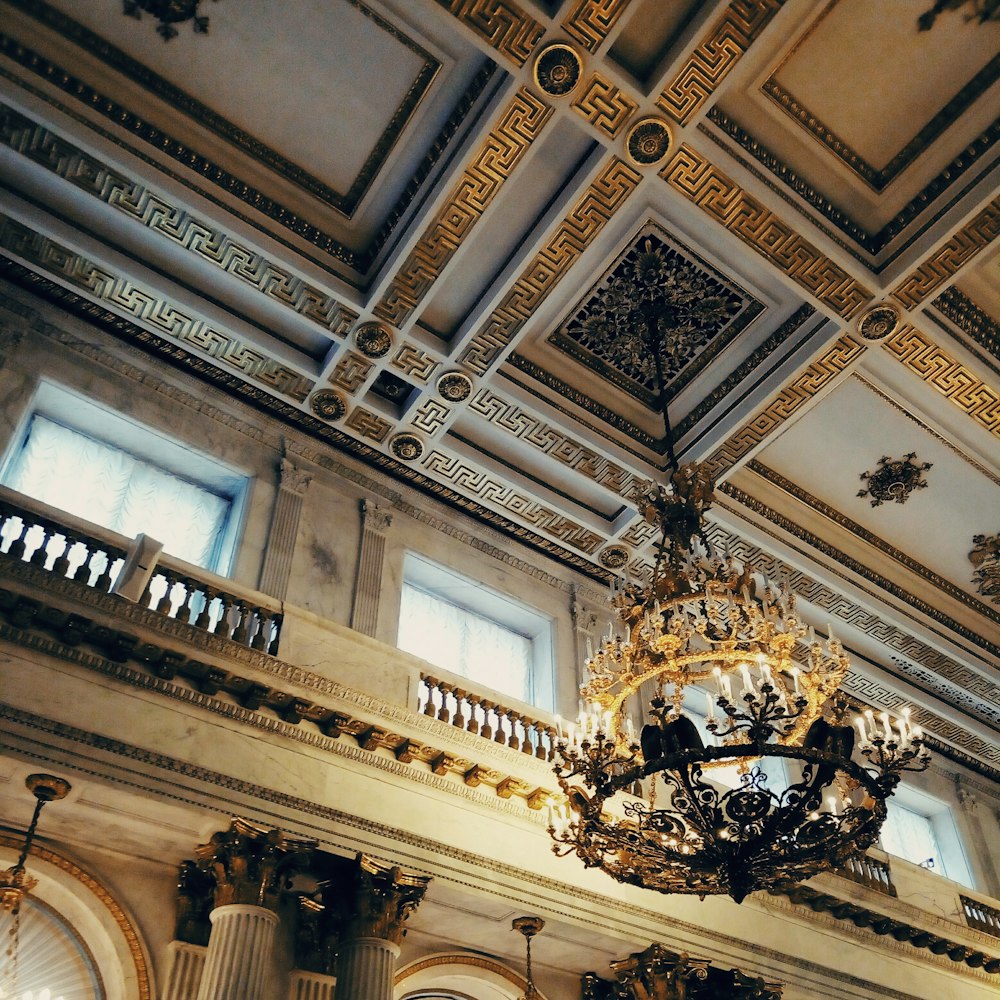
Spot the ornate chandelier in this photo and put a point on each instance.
(651, 811)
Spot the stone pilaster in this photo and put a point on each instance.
(376, 901)
(284, 530)
(185, 964)
(979, 840)
(375, 521)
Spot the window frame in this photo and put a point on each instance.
(147, 444)
(477, 598)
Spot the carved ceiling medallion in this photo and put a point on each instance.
(557, 70)
(328, 404)
(894, 479)
(373, 340)
(648, 141)
(613, 556)
(406, 447)
(607, 333)
(986, 558)
(879, 323)
(168, 13)
(454, 386)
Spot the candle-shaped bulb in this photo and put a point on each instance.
(795, 676)
(710, 714)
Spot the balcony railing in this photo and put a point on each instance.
(68, 547)
(870, 872)
(981, 917)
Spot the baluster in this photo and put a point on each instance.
(147, 597)
(204, 619)
(526, 746)
(72, 570)
(444, 714)
(458, 719)
(541, 731)
(223, 626)
(40, 554)
(103, 581)
(243, 622)
(501, 736)
(184, 613)
(513, 741)
(60, 565)
(19, 541)
(262, 637)
(474, 705)
(486, 731)
(166, 602)
(272, 646)
(430, 684)
(553, 735)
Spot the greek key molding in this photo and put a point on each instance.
(701, 182)
(135, 201)
(573, 235)
(952, 379)
(501, 24)
(350, 372)
(605, 106)
(100, 892)
(125, 297)
(519, 125)
(844, 353)
(367, 424)
(591, 21)
(415, 362)
(525, 508)
(965, 245)
(715, 56)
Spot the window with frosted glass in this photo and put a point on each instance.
(105, 485)
(909, 835)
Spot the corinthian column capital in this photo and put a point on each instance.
(382, 899)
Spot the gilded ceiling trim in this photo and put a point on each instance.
(134, 201)
(282, 410)
(715, 56)
(574, 234)
(512, 419)
(927, 429)
(473, 482)
(605, 106)
(840, 356)
(916, 663)
(875, 177)
(101, 893)
(460, 958)
(591, 21)
(700, 181)
(237, 792)
(501, 24)
(974, 322)
(843, 521)
(517, 128)
(950, 257)
(855, 566)
(871, 242)
(952, 379)
(252, 197)
(205, 117)
(145, 306)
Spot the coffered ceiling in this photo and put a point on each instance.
(413, 230)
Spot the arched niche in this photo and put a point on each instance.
(71, 904)
(458, 976)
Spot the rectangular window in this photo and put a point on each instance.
(921, 830)
(469, 630)
(65, 458)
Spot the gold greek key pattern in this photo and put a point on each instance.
(414, 362)
(519, 125)
(575, 233)
(163, 317)
(949, 377)
(764, 423)
(715, 56)
(703, 183)
(473, 482)
(368, 424)
(430, 416)
(350, 372)
(155, 213)
(502, 24)
(604, 105)
(638, 534)
(592, 20)
(511, 418)
(966, 244)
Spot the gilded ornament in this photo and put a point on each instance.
(328, 404)
(879, 322)
(406, 447)
(894, 479)
(558, 69)
(986, 558)
(373, 340)
(168, 13)
(648, 141)
(613, 556)
(454, 387)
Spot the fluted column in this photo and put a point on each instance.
(284, 530)
(375, 521)
(239, 953)
(377, 902)
(185, 964)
